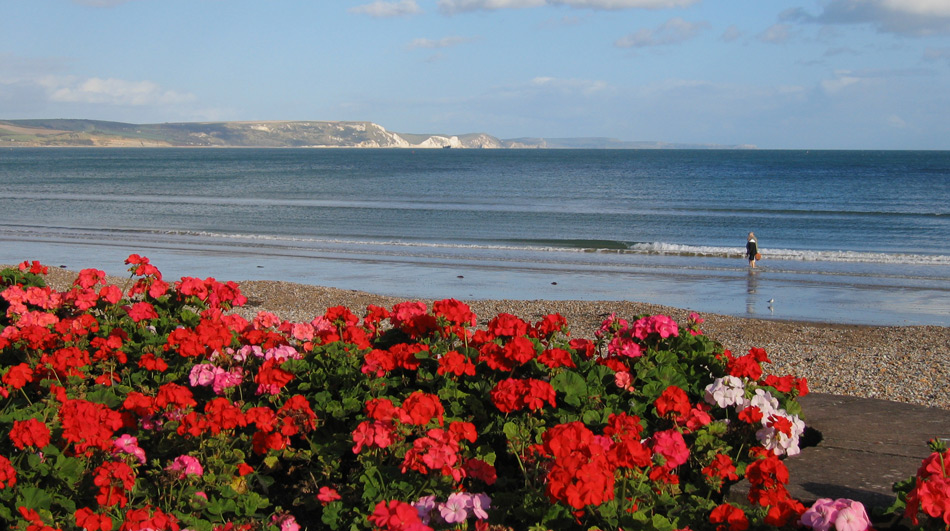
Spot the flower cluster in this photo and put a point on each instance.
(841, 515)
(777, 429)
(157, 406)
(924, 499)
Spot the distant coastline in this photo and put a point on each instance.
(284, 134)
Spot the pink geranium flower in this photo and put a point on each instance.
(281, 353)
(455, 508)
(186, 465)
(303, 331)
(670, 444)
(128, 444)
(480, 503)
(424, 506)
(623, 380)
(226, 379)
(841, 514)
(286, 522)
(202, 374)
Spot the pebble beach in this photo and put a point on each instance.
(909, 364)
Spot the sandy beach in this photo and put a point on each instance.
(908, 364)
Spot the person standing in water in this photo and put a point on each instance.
(751, 249)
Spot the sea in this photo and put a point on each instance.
(859, 237)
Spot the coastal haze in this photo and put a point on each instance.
(274, 134)
(783, 74)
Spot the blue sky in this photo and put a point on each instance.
(836, 74)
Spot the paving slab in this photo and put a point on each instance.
(861, 448)
(866, 445)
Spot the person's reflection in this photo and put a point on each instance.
(752, 284)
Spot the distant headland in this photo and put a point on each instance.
(283, 134)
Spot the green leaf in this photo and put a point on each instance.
(573, 386)
(512, 431)
(219, 507)
(106, 396)
(69, 468)
(251, 502)
(592, 417)
(331, 514)
(33, 498)
(662, 523)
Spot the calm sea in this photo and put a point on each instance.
(847, 236)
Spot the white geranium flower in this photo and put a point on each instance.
(725, 391)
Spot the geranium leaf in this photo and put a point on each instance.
(106, 396)
(34, 498)
(662, 523)
(573, 385)
(70, 468)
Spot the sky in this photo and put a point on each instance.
(783, 74)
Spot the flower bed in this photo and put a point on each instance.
(152, 406)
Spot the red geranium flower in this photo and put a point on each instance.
(745, 367)
(396, 515)
(673, 401)
(271, 378)
(141, 311)
(455, 312)
(422, 407)
(90, 521)
(18, 376)
(370, 434)
(326, 495)
(88, 425)
(90, 277)
(30, 432)
(556, 357)
(149, 518)
(35, 267)
(519, 350)
(7, 473)
(550, 324)
(507, 325)
(729, 518)
(452, 362)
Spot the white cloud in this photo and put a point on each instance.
(776, 34)
(939, 8)
(731, 34)
(937, 54)
(624, 4)
(429, 44)
(840, 50)
(867, 78)
(101, 3)
(110, 91)
(459, 6)
(896, 121)
(842, 80)
(382, 9)
(586, 87)
(562, 22)
(904, 17)
(673, 31)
